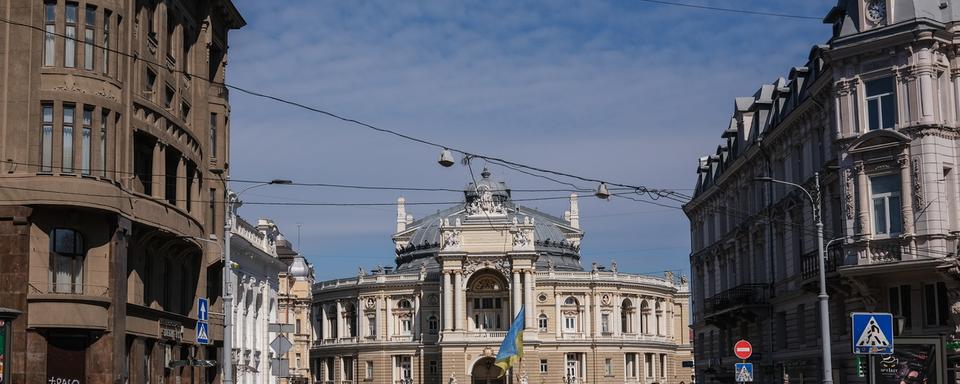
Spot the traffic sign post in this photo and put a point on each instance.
(203, 309)
(743, 350)
(872, 333)
(203, 333)
(743, 372)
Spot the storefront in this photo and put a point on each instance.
(6, 336)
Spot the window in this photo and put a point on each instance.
(403, 304)
(185, 111)
(543, 366)
(648, 364)
(372, 326)
(899, 304)
(50, 26)
(935, 304)
(401, 369)
(105, 55)
(433, 367)
(90, 19)
(104, 117)
(630, 365)
(369, 370)
(298, 329)
(608, 367)
(570, 323)
(542, 322)
(46, 138)
(881, 103)
(405, 326)
(605, 323)
(85, 140)
(68, 112)
(573, 368)
(663, 365)
(298, 362)
(570, 301)
(66, 261)
(70, 42)
(885, 193)
(346, 364)
(432, 325)
(213, 135)
(168, 97)
(151, 83)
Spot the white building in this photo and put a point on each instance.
(256, 270)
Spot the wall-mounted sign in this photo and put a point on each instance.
(171, 330)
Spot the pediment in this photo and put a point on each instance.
(878, 140)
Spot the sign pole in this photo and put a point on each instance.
(872, 370)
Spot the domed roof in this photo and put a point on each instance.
(299, 268)
(550, 232)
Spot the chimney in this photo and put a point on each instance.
(574, 211)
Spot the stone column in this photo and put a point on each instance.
(458, 310)
(906, 193)
(557, 320)
(615, 323)
(339, 316)
(529, 307)
(416, 316)
(324, 328)
(597, 316)
(586, 328)
(159, 167)
(378, 320)
(516, 298)
(181, 183)
(388, 318)
(864, 203)
(447, 302)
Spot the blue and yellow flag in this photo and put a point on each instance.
(511, 349)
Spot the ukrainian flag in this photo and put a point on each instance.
(511, 349)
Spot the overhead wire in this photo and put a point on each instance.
(731, 10)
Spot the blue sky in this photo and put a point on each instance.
(626, 91)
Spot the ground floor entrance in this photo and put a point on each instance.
(485, 372)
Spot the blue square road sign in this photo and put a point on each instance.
(872, 333)
(743, 372)
(203, 333)
(203, 309)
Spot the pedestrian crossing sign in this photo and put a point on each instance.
(743, 372)
(872, 333)
(203, 333)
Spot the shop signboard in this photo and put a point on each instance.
(913, 361)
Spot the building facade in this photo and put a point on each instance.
(462, 275)
(874, 114)
(296, 308)
(113, 147)
(257, 271)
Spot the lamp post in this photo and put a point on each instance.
(230, 217)
(821, 252)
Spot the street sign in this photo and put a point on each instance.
(872, 333)
(280, 345)
(203, 333)
(203, 309)
(743, 372)
(280, 328)
(742, 349)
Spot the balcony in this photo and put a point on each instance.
(737, 297)
(68, 306)
(810, 266)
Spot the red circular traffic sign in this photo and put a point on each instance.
(743, 349)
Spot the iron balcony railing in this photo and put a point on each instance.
(810, 267)
(744, 294)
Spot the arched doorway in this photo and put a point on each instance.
(484, 372)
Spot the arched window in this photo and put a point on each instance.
(659, 324)
(66, 261)
(542, 322)
(404, 304)
(644, 317)
(571, 313)
(570, 301)
(626, 316)
(432, 325)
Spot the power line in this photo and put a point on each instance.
(731, 10)
(263, 95)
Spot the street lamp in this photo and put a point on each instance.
(824, 298)
(232, 200)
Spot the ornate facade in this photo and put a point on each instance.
(296, 305)
(113, 154)
(462, 275)
(875, 112)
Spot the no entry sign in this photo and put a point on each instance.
(743, 349)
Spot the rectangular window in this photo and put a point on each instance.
(70, 42)
(885, 193)
(648, 364)
(542, 323)
(298, 330)
(663, 365)
(881, 103)
(433, 367)
(67, 166)
(346, 364)
(50, 28)
(46, 139)
(630, 365)
(372, 326)
(213, 135)
(151, 83)
(369, 370)
(85, 141)
(105, 44)
(543, 366)
(898, 299)
(935, 307)
(605, 323)
(569, 324)
(608, 367)
(90, 19)
(298, 362)
(104, 117)
(402, 368)
(168, 97)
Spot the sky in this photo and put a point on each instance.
(626, 91)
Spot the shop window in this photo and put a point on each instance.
(67, 256)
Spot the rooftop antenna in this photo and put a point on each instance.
(298, 234)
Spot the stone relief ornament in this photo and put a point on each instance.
(474, 264)
(451, 239)
(605, 299)
(485, 204)
(370, 303)
(521, 239)
(848, 197)
(453, 379)
(917, 186)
